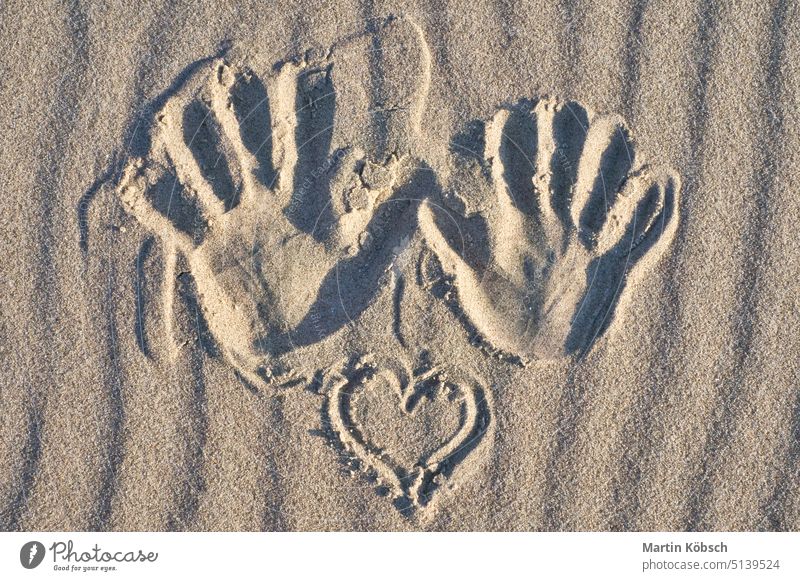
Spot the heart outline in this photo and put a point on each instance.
(412, 488)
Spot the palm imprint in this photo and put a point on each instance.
(568, 219)
(278, 192)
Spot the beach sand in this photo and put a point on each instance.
(373, 265)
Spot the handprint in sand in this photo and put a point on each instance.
(568, 218)
(277, 192)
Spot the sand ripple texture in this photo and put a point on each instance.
(444, 266)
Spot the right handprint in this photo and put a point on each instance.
(570, 218)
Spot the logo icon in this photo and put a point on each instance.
(31, 554)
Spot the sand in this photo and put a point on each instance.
(400, 266)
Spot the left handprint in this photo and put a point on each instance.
(278, 205)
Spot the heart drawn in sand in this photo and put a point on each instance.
(411, 434)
